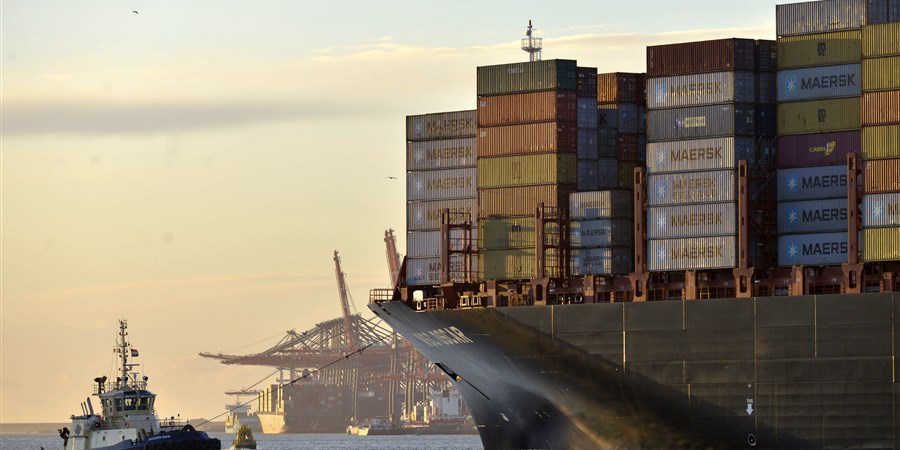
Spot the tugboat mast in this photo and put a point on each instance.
(123, 350)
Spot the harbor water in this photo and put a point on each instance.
(287, 442)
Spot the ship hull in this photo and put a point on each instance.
(768, 372)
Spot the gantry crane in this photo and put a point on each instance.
(393, 258)
(345, 304)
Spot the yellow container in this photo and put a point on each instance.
(517, 264)
(818, 116)
(842, 47)
(881, 142)
(881, 244)
(527, 170)
(880, 74)
(518, 232)
(881, 40)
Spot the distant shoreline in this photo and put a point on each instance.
(50, 428)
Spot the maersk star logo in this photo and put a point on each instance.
(419, 216)
(419, 274)
(792, 183)
(419, 184)
(661, 157)
(792, 215)
(661, 189)
(877, 210)
(792, 251)
(661, 222)
(791, 86)
(420, 155)
(661, 90)
(661, 254)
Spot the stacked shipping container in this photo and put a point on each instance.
(880, 114)
(587, 152)
(528, 117)
(709, 106)
(440, 162)
(819, 81)
(622, 120)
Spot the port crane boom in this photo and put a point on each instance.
(350, 336)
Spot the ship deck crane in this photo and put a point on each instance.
(393, 257)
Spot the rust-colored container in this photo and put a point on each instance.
(529, 107)
(521, 201)
(881, 142)
(881, 74)
(881, 40)
(880, 108)
(881, 175)
(587, 82)
(719, 55)
(544, 137)
(619, 87)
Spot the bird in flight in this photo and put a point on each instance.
(134, 12)
(391, 178)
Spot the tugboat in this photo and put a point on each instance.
(128, 420)
(244, 439)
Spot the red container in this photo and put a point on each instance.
(881, 175)
(628, 147)
(527, 108)
(619, 87)
(880, 108)
(587, 82)
(817, 149)
(544, 137)
(720, 55)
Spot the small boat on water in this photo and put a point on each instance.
(127, 419)
(244, 439)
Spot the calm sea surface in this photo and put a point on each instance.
(288, 442)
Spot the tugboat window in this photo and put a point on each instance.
(144, 403)
(130, 403)
(118, 404)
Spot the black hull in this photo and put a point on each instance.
(773, 372)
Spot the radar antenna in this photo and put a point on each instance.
(531, 45)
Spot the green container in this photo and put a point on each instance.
(881, 141)
(518, 232)
(842, 47)
(880, 74)
(818, 116)
(527, 170)
(560, 74)
(517, 264)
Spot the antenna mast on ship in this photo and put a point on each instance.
(531, 45)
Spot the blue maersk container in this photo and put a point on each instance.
(812, 216)
(819, 249)
(811, 183)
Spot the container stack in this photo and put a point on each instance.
(819, 87)
(708, 107)
(880, 115)
(527, 143)
(601, 232)
(622, 126)
(441, 174)
(587, 152)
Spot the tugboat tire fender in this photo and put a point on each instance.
(188, 427)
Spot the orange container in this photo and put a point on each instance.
(880, 108)
(526, 108)
(881, 175)
(544, 137)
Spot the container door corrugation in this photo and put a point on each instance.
(691, 187)
(619, 87)
(630, 147)
(881, 74)
(699, 154)
(427, 244)
(818, 249)
(526, 170)
(427, 271)
(624, 117)
(608, 174)
(814, 50)
(766, 56)
(587, 175)
(600, 233)
(695, 220)
(441, 184)
(881, 210)
(701, 253)
(817, 116)
(816, 83)
(881, 244)
(601, 205)
(601, 261)
(881, 108)
(881, 175)
(767, 88)
(587, 113)
(441, 154)
(625, 175)
(881, 142)
(811, 183)
(519, 232)
(447, 125)
(701, 57)
(607, 141)
(521, 201)
(812, 216)
(560, 137)
(817, 149)
(518, 264)
(587, 82)
(701, 122)
(701, 89)
(553, 74)
(830, 15)
(587, 143)
(427, 215)
(528, 107)
(882, 39)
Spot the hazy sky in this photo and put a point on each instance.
(192, 167)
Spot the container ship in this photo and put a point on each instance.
(703, 255)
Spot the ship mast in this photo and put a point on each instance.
(123, 350)
(532, 45)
